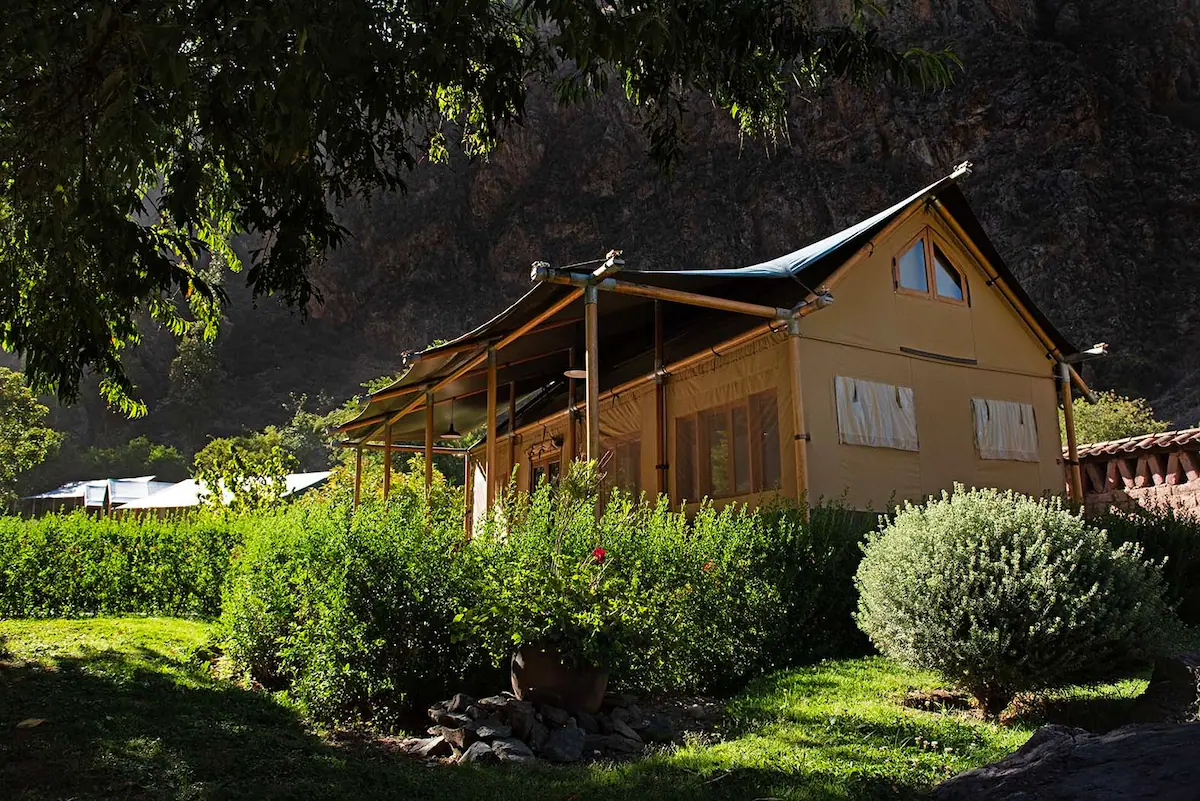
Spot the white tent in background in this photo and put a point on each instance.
(97, 494)
(188, 493)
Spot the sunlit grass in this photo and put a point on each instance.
(132, 710)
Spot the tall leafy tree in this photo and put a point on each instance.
(25, 441)
(1111, 417)
(252, 469)
(138, 136)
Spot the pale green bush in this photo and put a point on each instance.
(1004, 594)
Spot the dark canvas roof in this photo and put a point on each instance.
(533, 365)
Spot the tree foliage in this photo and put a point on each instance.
(1111, 417)
(251, 468)
(138, 136)
(138, 457)
(24, 441)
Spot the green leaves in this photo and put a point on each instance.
(1006, 594)
(137, 139)
(24, 441)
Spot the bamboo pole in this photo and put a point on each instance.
(424, 387)
(708, 353)
(468, 494)
(458, 347)
(512, 424)
(357, 475)
(428, 441)
(406, 447)
(1013, 301)
(549, 274)
(660, 404)
(482, 354)
(800, 430)
(387, 461)
(591, 362)
(1074, 479)
(569, 437)
(493, 467)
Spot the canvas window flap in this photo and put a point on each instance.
(875, 414)
(1005, 430)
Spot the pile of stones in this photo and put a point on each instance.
(506, 729)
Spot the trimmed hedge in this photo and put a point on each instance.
(75, 565)
(366, 614)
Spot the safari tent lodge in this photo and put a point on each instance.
(885, 362)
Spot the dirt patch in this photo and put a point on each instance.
(938, 701)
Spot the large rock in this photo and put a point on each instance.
(479, 752)
(565, 744)
(1173, 692)
(510, 749)
(1058, 763)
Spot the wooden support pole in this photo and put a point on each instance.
(586, 281)
(569, 437)
(480, 355)
(493, 453)
(800, 432)
(512, 423)
(1074, 478)
(468, 494)
(357, 475)
(660, 405)
(591, 360)
(387, 461)
(428, 441)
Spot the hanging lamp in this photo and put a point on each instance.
(451, 433)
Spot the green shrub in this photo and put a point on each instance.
(368, 613)
(74, 565)
(695, 604)
(352, 610)
(1004, 594)
(1170, 538)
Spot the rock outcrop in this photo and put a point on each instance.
(1160, 762)
(1082, 118)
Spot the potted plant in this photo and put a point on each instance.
(558, 605)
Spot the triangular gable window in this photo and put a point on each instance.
(948, 282)
(922, 268)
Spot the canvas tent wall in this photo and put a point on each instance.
(724, 365)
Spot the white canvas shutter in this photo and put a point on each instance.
(1005, 430)
(877, 415)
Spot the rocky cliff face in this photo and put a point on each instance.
(1081, 118)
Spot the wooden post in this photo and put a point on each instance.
(1074, 479)
(660, 404)
(591, 360)
(357, 475)
(800, 432)
(428, 441)
(569, 437)
(512, 424)
(468, 494)
(493, 453)
(387, 461)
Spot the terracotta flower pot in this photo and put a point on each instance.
(539, 676)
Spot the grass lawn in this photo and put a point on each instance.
(131, 712)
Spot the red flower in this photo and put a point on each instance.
(707, 566)
(598, 554)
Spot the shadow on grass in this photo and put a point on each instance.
(134, 724)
